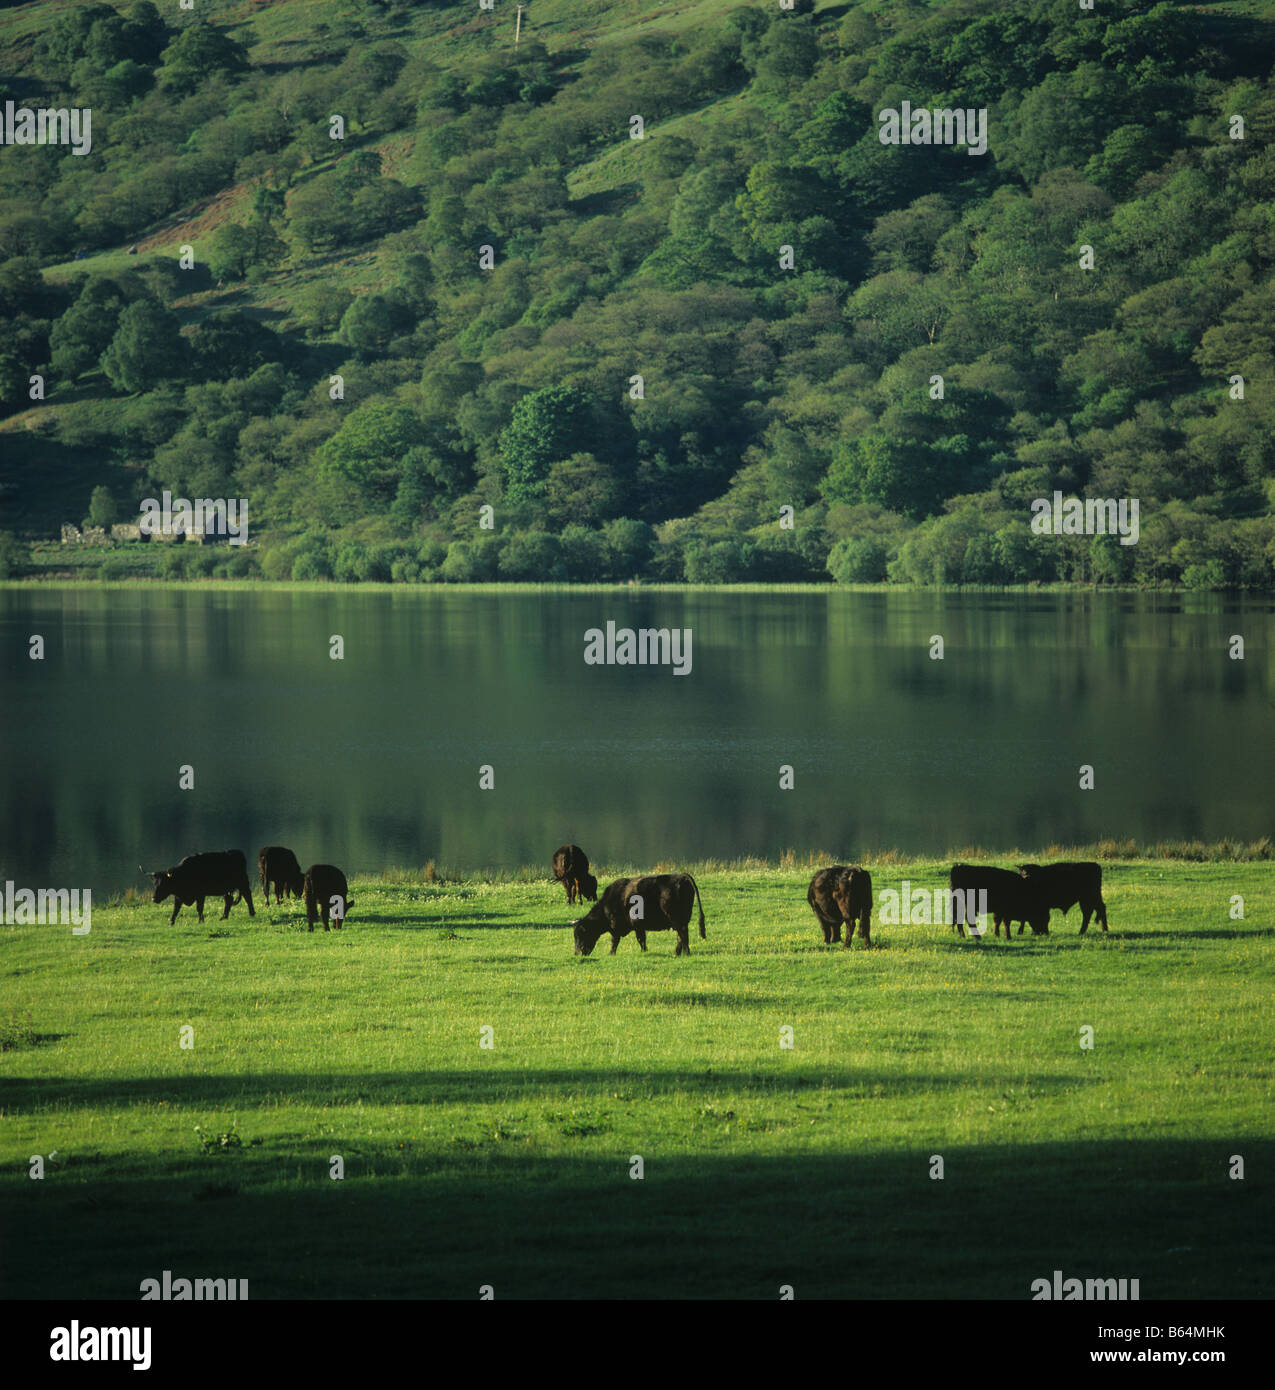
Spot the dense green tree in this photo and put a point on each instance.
(859, 560)
(231, 344)
(905, 475)
(787, 53)
(85, 330)
(146, 348)
(371, 322)
(199, 52)
(369, 448)
(103, 509)
(547, 424)
(584, 554)
(93, 32)
(582, 489)
(321, 306)
(418, 485)
(535, 556)
(630, 545)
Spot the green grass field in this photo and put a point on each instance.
(763, 1166)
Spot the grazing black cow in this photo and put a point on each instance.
(657, 902)
(221, 873)
(842, 893)
(571, 869)
(1065, 885)
(1010, 898)
(278, 866)
(323, 883)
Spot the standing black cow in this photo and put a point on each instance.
(842, 893)
(656, 902)
(221, 873)
(1010, 898)
(1065, 885)
(323, 883)
(571, 869)
(278, 866)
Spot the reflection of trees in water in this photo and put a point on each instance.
(373, 761)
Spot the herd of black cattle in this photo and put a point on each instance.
(224, 874)
(657, 902)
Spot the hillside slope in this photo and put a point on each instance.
(754, 343)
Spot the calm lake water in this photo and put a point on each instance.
(374, 761)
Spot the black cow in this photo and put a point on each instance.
(571, 869)
(1010, 898)
(278, 866)
(839, 894)
(218, 874)
(323, 882)
(663, 901)
(1065, 885)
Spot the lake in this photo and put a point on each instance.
(375, 760)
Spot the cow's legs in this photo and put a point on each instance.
(229, 899)
(683, 947)
(865, 929)
(615, 941)
(641, 938)
(199, 905)
(177, 907)
(1102, 913)
(1085, 913)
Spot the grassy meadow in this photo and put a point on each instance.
(763, 1166)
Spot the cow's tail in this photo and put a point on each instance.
(703, 935)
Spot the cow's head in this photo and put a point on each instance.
(586, 931)
(1037, 904)
(162, 879)
(589, 887)
(296, 886)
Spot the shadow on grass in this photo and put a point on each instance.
(479, 1086)
(1061, 938)
(410, 1222)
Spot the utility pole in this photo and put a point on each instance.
(518, 27)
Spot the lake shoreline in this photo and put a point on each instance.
(882, 863)
(321, 586)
